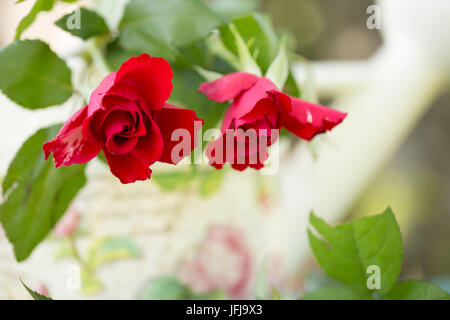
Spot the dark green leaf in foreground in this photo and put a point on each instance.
(34, 294)
(33, 76)
(349, 249)
(90, 24)
(160, 27)
(39, 6)
(417, 290)
(36, 194)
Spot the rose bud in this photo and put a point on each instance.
(260, 108)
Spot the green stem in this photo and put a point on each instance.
(76, 253)
(98, 58)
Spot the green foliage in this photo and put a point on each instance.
(110, 249)
(233, 8)
(170, 288)
(160, 27)
(278, 70)
(257, 30)
(335, 293)
(36, 194)
(39, 6)
(185, 92)
(33, 75)
(207, 181)
(92, 24)
(34, 294)
(417, 290)
(259, 35)
(103, 251)
(247, 61)
(165, 288)
(172, 180)
(350, 250)
(90, 284)
(210, 182)
(275, 293)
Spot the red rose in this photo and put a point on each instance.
(128, 119)
(258, 106)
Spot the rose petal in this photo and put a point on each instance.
(92, 128)
(282, 100)
(151, 75)
(228, 87)
(127, 167)
(308, 119)
(120, 145)
(264, 109)
(116, 122)
(70, 146)
(95, 100)
(247, 101)
(239, 154)
(171, 118)
(149, 147)
(119, 92)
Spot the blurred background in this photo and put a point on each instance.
(412, 175)
(416, 181)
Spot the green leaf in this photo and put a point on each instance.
(90, 284)
(91, 24)
(210, 182)
(256, 29)
(350, 248)
(247, 62)
(160, 27)
(172, 180)
(275, 293)
(34, 294)
(165, 288)
(207, 74)
(291, 87)
(278, 70)
(39, 6)
(212, 295)
(110, 249)
(417, 290)
(335, 293)
(36, 194)
(185, 93)
(116, 55)
(233, 8)
(33, 75)
(65, 250)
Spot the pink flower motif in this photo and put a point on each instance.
(224, 262)
(68, 223)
